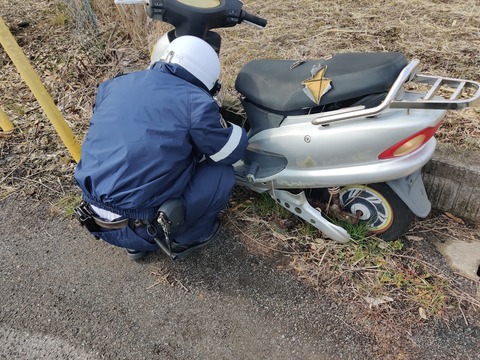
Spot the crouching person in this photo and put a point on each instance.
(156, 136)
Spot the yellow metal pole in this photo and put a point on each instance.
(5, 122)
(35, 84)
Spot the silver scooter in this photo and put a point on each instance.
(339, 138)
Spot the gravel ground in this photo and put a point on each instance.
(66, 295)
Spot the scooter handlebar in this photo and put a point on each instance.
(252, 19)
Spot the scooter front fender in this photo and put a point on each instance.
(411, 190)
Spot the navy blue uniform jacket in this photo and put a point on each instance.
(148, 131)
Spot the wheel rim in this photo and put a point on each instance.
(372, 206)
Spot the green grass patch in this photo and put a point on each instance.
(67, 204)
(357, 231)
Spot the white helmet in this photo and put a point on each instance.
(194, 55)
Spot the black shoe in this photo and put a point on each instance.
(135, 254)
(182, 250)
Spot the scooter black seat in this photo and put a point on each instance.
(277, 84)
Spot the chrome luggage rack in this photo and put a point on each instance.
(429, 101)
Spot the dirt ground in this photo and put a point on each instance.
(66, 295)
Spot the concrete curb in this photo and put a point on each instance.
(452, 181)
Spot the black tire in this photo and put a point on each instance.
(387, 215)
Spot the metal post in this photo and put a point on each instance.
(35, 84)
(5, 122)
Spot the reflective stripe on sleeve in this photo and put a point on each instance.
(230, 146)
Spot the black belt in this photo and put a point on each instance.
(93, 223)
(111, 225)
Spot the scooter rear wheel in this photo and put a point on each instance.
(380, 207)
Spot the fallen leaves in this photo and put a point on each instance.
(454, 218)
(375, 302)
(422, 313)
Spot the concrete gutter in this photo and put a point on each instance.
(452, 181)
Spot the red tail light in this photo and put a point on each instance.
(409, 144)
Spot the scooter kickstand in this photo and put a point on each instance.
(299, 205)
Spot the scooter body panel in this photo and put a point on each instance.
(300, 155)
(301, 178)
(341, 153)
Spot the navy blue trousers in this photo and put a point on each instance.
(207, 193)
